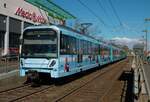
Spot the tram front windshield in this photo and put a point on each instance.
(39, 43)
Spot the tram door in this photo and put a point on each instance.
(1, 43)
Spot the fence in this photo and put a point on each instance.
(8, 63)
(139, 77)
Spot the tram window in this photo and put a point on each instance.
(106, 49)
(81, 47)
(109, 51)
(72, 44)
(97, 49)
(93, 48)
(89, 48)
(63, 44)
(94, 52)
(85, 47)
(102, 50)
(77, 46)
(67, 45)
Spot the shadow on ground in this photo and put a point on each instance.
(70, 78)
(127, 91)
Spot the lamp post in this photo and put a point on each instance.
(146, 31)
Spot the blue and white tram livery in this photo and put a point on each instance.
(60, 52)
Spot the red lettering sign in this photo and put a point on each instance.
(31, 16)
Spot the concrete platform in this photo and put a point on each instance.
(8, 69)
(7, 66)
(147, 76)
(9, 74)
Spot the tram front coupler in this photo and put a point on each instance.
(32, 77)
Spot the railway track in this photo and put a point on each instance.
(20, 92)
(84, 89)
(79, 90)
(13, 88)
(69, 92)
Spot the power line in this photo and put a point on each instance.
(104, 10)
(90, 10)
(115, 12)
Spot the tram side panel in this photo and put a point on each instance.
(77, 55)
(105, 54)
(118, 54)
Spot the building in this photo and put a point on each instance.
(138, 49)
(15, 15)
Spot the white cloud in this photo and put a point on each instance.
(126, 41)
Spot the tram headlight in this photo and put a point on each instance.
(52, 63)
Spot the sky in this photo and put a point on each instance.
(121, 20)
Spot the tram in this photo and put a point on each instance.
(61, 51)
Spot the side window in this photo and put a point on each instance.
(85, 47)
(81, 47)
(97, 49)
(102, 50)
(72, 45)
(114, 52)
(80, 50)
(67, 45)
(107, 52)
(77, 46)
(90, 48)
(63, 44)
(93, 48)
